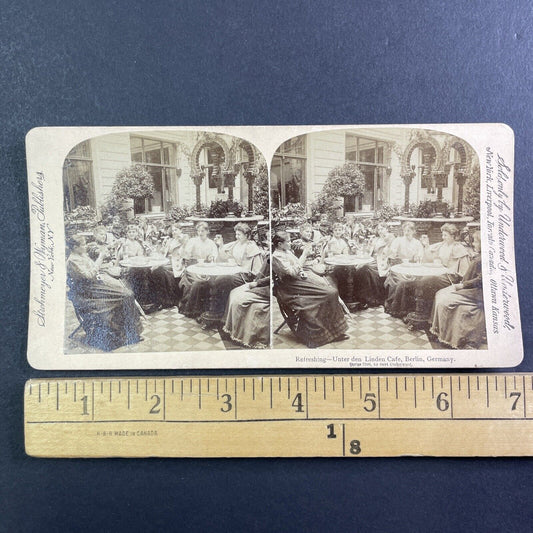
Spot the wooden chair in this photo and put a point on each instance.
(289, 316)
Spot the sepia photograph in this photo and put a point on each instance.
(278, 246)
(376, 241)
(167, 243)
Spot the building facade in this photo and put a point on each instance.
(388, 157)
(186, 166)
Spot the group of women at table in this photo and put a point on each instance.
(105, 287)
(453, 300)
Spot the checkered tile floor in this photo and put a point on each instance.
(370, 329)
(163, 331)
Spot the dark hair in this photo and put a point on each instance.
(75, 241)
(279, 237)
(244, 228)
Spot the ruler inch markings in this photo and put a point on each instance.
(451, 398)
(480, 410)
(236, 402)
(524, 392)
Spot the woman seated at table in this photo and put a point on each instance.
(194, 288)
(369, 279)
(353, 230)
(242, 252)
(106, 306)
(104, 242)
(404, 249)
(130, 245)
(247, 316)
(316, 304)
(458, 319)
(336, 245)
(314, 254)
(166, 278)
(449, 253)
(128, 248)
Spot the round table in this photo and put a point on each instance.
(212, 270)
(417, 319)
(419, 270)
(350, 262)
(140, 267)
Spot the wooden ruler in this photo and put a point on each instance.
(281, 416)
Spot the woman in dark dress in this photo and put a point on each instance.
(107, 308)
(243, 252)
(166, 279)
(449, 253)
(315, 303)
(369, 279)
(195, 288)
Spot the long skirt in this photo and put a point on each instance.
(316, 304)
(108, 312)
(369, 286)
(458, 319)
(221, 286)
(338, 277)
(194, 294)
(425, 288)
(396, 304)
(165, 287)
(247, 317)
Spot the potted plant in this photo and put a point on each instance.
(260, 192)
(222, 208)
(472, 195)
(343, 181)
(82, 218)
(134, 183)
(179, 213)
(291, 214)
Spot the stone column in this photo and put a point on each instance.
(460, 177)
(229, 182)
(439, 184)
(407, 180)
(250, 178)
(197, 180)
